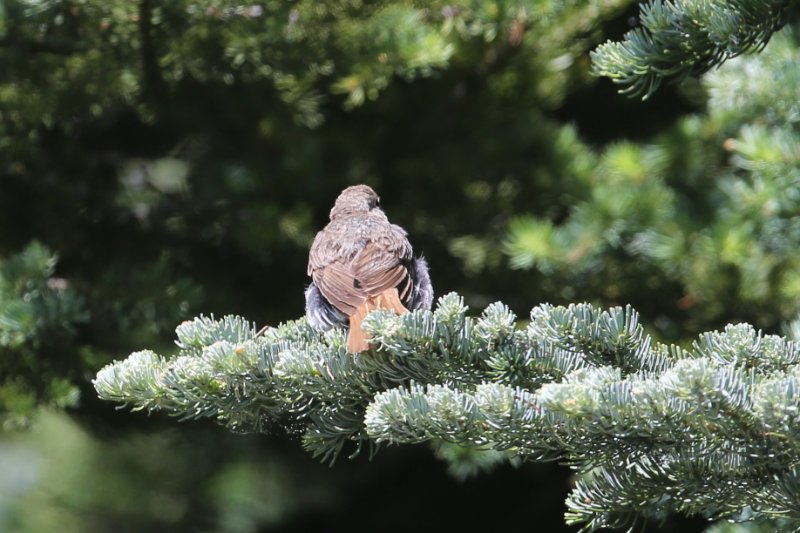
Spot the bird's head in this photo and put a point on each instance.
(354, 200)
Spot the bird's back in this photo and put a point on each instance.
(361, 262)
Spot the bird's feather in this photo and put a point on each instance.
(361, 262)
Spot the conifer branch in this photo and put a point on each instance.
(686, 38)
(650, 428)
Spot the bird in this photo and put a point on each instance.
(360, 262)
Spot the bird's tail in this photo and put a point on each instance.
(357, 337)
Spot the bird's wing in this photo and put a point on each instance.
(320, 254)
(337, 283)
(347, 281)
(380, 266)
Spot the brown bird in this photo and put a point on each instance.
(361, 262)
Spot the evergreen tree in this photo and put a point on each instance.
(179, 156)
(650, 428)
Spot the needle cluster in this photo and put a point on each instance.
(649, 428)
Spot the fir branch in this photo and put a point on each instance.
(651, 429)
(686, 38)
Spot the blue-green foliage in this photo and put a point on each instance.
(650, 428)
(679, 39)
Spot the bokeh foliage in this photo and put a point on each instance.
(39, 314)
(706, 211)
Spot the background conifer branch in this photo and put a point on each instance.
(686, 38)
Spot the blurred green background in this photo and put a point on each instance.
(161, 160)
